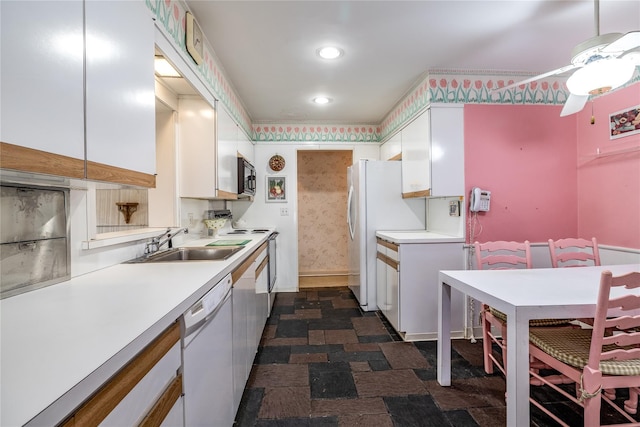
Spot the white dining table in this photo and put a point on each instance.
(522, 295)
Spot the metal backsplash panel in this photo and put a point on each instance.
(32, 214)
(34, 238)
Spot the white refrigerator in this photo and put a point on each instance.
(374, 203)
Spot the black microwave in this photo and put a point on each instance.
(246, 177)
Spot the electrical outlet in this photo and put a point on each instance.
(284, 211)
(191, 220)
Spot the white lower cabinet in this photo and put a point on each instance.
(128, 412)
(262, 292)
(243, 325)
(249, 317)
(388, 279)
(409, 276)
(145, 392)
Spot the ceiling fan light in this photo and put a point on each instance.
(600, 76)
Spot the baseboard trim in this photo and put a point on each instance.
(322, 281)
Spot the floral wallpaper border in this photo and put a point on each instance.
(170, 14)
(439, 86)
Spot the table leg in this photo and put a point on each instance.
(517, 370)
(444, 334)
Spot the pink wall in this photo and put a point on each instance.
(609, 186)
(526, 156)
(545, 177)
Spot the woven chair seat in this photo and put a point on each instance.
(533, 322)
(571, 346)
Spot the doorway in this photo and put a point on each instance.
(322, 217)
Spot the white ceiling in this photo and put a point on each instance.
(267, 48)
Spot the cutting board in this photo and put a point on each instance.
(229, 243)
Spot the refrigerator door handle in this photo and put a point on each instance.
(349, 208)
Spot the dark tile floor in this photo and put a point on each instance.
(324, 362)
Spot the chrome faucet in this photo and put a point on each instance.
(156, 243)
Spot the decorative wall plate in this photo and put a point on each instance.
(276, 163)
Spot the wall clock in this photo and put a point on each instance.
(276, 163)
(194, 39)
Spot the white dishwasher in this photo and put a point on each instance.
(207, 359)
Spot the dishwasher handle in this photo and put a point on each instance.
(207, 306)
(194, 327)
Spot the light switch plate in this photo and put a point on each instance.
(454, 208)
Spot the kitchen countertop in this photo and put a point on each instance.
(61, 342)
(417, 236)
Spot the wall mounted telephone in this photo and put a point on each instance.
(480, 200)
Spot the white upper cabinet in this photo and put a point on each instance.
(197, 148)
(227, 156)
(42, 76)
(416, 173)
(120, 85)
(447, 150)
(245, 146)
(392, 148)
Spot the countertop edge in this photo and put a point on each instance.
(417, 237)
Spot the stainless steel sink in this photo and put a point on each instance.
(189, 254)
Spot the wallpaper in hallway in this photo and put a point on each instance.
(322, 206)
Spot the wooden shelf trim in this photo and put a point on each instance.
(414, 194)
(262, 265)
(389, 261)
(221, 194)
(386, 244)
(238, 272)
(100, 405)
(25, 159)
(102, 172)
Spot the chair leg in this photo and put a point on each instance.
(610, 393)
(486, 345)
(503, 344)
(592, 411)
(631, 405)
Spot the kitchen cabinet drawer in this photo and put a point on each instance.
(145, 389)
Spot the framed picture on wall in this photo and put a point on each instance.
(276, 189)
(624, 123)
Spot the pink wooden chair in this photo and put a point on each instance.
(498, 255)
(605, 357)
(502, 255)
(574, 252)
(578, 252)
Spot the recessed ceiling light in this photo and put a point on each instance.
(163, 68)
(322, 100)
(330, 52)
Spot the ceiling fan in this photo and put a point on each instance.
(603, 62)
